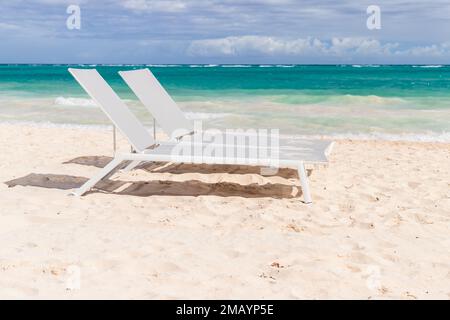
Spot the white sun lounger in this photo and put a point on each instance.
(147, 150)
(160, 104)
(174, 123)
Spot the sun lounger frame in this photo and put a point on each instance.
(144, 157)
(146, 149)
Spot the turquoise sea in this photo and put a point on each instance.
(359, 101)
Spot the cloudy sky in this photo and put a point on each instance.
(225, 31)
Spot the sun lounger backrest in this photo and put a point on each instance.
(160, 104)
(113, 107)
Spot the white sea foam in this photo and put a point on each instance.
(203, 65)
(118, 65)
(365, 65)
(443, 137)
(163, 65)
(354, 100)
(235, 66)
(429, 66)
(79, 102)
(204, 115)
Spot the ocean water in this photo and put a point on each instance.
(358, 101)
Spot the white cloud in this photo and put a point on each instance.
(8, 26)
(433, 50)
(441, 50)
(241, 46)
(234, 46)
(155, 5)
(61, 2)
(363, 46)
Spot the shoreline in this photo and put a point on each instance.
(443, 138)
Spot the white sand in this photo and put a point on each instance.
(379, 227)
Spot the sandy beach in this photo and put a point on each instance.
(378, 229)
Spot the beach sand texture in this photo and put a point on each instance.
(379, 227)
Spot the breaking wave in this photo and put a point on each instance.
(79, 102)
(204, 115)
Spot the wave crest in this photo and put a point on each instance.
(75, 102)
(443, 137)
(429, 66)
(204, 115)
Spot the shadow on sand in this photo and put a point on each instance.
(180, 168)
(167, 188)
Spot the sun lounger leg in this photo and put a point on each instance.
(131, 166)
(93, 181)
(304, 183)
